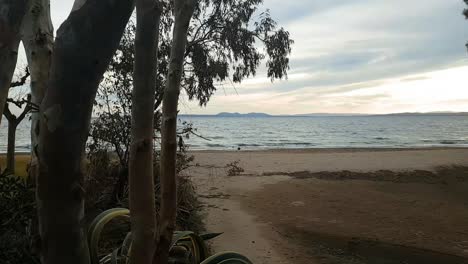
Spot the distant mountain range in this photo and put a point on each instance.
(253, 114)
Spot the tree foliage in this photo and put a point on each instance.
(111, 128)
(227, 42)
(224, 42)
(465, 13)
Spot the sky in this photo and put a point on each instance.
(354, 56)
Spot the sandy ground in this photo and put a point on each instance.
(338, 206)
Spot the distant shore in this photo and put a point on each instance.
(254, 114)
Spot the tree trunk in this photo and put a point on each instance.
(38, 38)
(11, 16)
(84, 46)
(13, 123)
(183, 10)
(11, 147)
(142, 204)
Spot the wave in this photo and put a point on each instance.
(299, 132)
(215, 145)
(249, 145)
(291, 144)
(453, 142)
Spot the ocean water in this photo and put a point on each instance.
(329, 132)
(230, 133)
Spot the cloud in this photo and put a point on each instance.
(412, 79)
(353, 55)
(343, 46)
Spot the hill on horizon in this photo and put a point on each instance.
(258, 114)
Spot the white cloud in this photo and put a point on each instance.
(355, 56)
(443, 90)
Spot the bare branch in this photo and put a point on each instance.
(22, 80)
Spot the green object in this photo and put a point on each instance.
(186, 245)
(96, 227)
(227, 258)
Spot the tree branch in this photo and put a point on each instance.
(26, 109)
(22, 80)
(9, 116)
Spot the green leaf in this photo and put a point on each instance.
(209, 236)
(96, 227)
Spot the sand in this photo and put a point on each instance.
(338, 205)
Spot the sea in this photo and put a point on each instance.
(291, 132)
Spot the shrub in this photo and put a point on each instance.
(233, 168)
(102, 180)
(17, 211)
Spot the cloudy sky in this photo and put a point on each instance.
(355, 56)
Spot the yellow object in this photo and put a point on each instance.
(22, 161)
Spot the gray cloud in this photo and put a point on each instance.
(346, 45)
(365, 40)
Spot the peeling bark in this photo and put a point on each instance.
(38, 42)
(142, 204)
(84, 46)
(183, 11)
(12, 13)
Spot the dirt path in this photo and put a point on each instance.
(297, 215)
(222, 196)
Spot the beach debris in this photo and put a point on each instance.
(234, 169)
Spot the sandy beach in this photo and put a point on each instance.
(338, 205)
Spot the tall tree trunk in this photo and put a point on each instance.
(11, 16)
(84, 46)
(11, 147)
(142, 204)
(38, 38)
(183, 10)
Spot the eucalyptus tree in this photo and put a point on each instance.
(38, 37)
(222, 44)
(227, 42)
(141, 195)
(84, 45)
(183, 11)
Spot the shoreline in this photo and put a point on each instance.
(308, 150)
(328, 150)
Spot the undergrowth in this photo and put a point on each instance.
(18, 209)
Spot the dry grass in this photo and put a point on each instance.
(22, 161)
